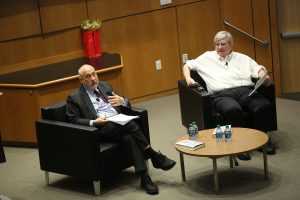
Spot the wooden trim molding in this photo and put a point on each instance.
(58, 80)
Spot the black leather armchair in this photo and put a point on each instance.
(196, 105)
(74, 150)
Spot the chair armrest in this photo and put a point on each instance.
(195, 106)
(142, 121)
(268, 92)
(64, 146)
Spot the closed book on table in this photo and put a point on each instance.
(189, 144)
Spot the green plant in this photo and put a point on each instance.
(90, 25)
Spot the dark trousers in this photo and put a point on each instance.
(233, 103)
(131, 136)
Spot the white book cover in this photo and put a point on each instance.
(190, 144)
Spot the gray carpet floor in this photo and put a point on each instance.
(22, 179)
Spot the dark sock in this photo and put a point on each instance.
(143, 173)
(149, 152)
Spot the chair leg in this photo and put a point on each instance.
(147, 165)
(231, 161)
(47, 177)
(97, 187)
(236, 163)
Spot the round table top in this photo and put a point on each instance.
(242, 140)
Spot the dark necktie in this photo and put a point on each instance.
(100, 95)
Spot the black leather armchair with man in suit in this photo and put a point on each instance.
(93, 103)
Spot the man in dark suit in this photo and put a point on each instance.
(93, 103)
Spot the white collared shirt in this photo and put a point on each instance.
(102, 108)
(219, 73)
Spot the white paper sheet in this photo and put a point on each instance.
(259, 83)
(121, 118)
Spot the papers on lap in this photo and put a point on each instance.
(121, 118)
(258, 83)
(189, 144)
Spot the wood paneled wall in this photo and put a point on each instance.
(141, 45)
(288, 18)
(239, 13)
(61, 14)
(19, 18)
(40, 32)
(33, 51)
(195, 31)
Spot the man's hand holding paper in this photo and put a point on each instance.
(264, 80)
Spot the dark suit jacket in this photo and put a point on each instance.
(79, 107)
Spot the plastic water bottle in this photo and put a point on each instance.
(196, 129)
(227, 134)
(219, 134)
(191, 132)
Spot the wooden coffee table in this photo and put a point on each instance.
(243, 140)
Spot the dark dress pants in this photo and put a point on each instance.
(131, 136)
(232, 103)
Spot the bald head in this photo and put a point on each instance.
(84, 68)
(88, 77)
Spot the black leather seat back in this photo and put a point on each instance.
(56, 112)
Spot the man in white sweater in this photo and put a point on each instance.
(227, 75)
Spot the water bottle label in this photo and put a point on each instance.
(191, 132)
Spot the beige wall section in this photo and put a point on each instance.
(288, 20)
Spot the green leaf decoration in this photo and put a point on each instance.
(90, 25)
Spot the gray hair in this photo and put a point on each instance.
(223, 35)
(82, 69)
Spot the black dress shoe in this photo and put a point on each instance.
(148, 185)
(161, 161)
(244, 156)
(270, 149)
